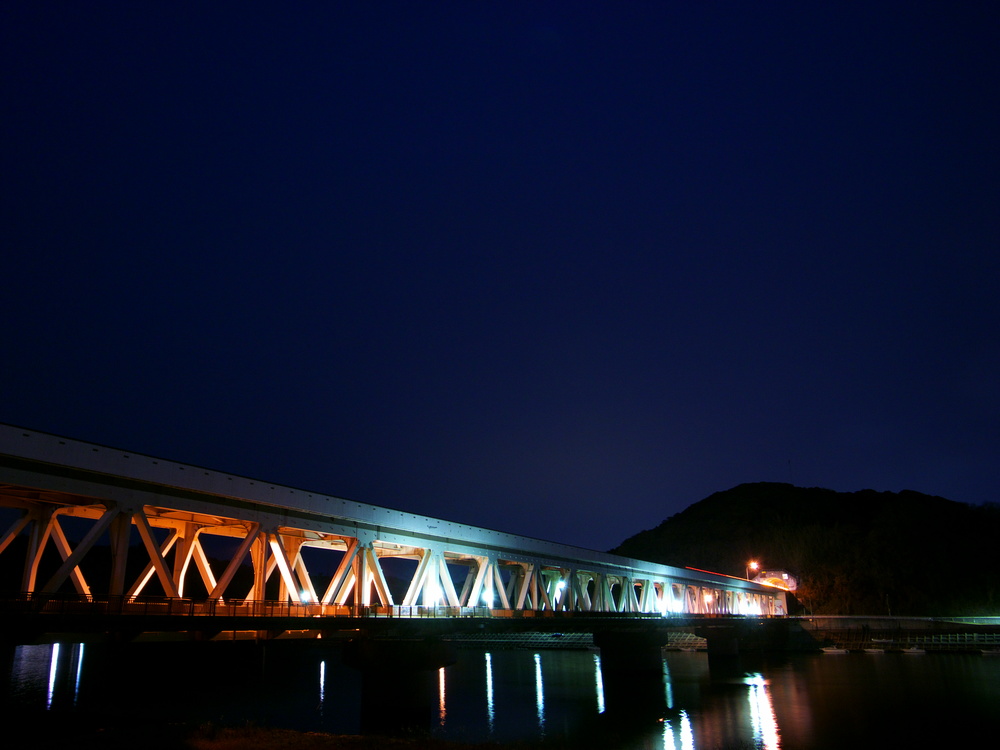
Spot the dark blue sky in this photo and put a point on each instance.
(561, 269)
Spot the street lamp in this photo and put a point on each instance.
(752, 565)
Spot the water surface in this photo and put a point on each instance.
(808, 702)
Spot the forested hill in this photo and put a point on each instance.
(864, 552)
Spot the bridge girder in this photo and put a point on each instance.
(171, 511)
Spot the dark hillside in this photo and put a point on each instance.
(861, 552)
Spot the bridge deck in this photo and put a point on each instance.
(175, 517)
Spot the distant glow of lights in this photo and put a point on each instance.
(599, 683)
(765, 725)
(442, 711)
(53, 665)
(489, 690)
(539, 695)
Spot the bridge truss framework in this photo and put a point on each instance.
(325, 553)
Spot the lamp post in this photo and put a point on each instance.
(752, 565)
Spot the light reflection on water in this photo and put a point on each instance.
(765, 725)
(322, 683)
(62, 666)
(599, 683)
(668, 685)
(489, 692)
(685, 734)
(53, 663)
(539, 695)
(442, 708)
(520, 696)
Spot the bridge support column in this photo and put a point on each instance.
(632, 672)
(730, 644)
(723, 643)
(723, 653)
(398, 681)
(631, 651)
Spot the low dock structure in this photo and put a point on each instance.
(912, 635)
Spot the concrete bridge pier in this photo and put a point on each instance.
(632, 672)
(729, 643)
(723, 643)
(627, 651)
(723, 653)
(398, 680)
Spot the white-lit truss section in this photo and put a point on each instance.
(143, 526)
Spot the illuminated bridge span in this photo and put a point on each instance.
(81, 501)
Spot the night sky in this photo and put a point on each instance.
(560, 269)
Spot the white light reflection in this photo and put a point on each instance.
(322, 683)
(53, 664)
(599, 682)
(79, 671)
(489, 690)
(668, 688)
(442, 711)
(668, 736)
(687, 732)
(539, 695)
(765, 725)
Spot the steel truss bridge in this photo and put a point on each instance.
(74, 506)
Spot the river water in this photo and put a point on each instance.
(802, 701)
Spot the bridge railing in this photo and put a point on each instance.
(151, 606)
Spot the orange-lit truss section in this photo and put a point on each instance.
(97, 521)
